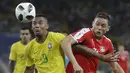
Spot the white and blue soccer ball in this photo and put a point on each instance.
(25, 12)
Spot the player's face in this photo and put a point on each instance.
(25, 35)
(39, 26)
(121, 48)
(100, 26)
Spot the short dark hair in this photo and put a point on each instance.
(25, 28)
(103, 15)
(42, 15)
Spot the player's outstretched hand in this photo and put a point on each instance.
(77, 69)
(111, 57)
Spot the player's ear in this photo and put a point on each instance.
(108, 28)
(47, 26)
(92, 23)
(31, 28)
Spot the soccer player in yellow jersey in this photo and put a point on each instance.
(17, 58)
(44, 51)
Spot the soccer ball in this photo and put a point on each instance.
(25, 12)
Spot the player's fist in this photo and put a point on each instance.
(77, 69)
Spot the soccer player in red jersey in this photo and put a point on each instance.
(123, 58)
(94, 39)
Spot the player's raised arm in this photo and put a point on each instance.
(112, 57)
(66, 46)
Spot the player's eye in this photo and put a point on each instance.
(26, 33)
(34, 23)
(103, 25)
(40, 22)
(97, 23)
(22, 33)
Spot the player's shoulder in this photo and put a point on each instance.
(33, 41)
(16, 43)
(56, 34)
(107, 39)
(81, 32)
(84, 30)
(30, 44)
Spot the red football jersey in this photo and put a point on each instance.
(89, 63)
(123, 59)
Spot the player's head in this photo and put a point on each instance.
(25, 34)
(101, 24)
(121, 48)
(39, 25)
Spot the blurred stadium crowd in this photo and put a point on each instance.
(66, 16)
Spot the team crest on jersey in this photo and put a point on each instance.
(49, 45)
(102, 49)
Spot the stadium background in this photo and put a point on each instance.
(65, 16)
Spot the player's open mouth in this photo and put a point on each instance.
(99, 33)
(37, 31)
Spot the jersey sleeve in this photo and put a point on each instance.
(13, 54)
(29, 60)
(79, 36)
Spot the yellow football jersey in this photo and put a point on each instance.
(47, 56)
(17, 54)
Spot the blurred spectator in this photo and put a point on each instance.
(123, 58)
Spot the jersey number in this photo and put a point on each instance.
(45, 59)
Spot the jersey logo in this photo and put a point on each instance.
(102, 49)
(49, 46)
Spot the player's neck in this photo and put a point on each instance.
(98, 38)
(42, 38)
(24, 43)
